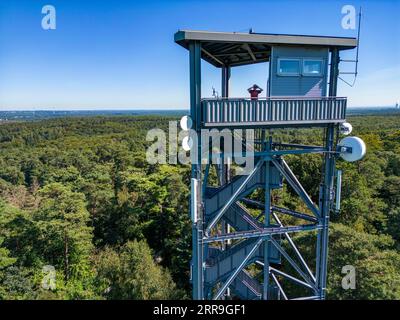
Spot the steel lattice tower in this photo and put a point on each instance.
(231, 244)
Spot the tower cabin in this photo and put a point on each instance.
(300, 69)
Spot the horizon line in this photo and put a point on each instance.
(150, 109)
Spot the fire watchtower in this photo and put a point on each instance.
(301, 92)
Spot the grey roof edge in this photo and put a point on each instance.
(193, 35)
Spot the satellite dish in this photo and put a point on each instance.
(345, 128)
(187, 143)
(352, 149)
(186, 123)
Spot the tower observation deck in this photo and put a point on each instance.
(243, 243)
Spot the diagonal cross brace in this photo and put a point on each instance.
(296, 250)
(295, 184)
(295, 214)
(293, 263)
(234, 197)
(279, 286)
(238, 269)
(289, 277)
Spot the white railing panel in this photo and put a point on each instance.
(234, 111)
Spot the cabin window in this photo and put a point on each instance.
(289, 67)
(312, 67)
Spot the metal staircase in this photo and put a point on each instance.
(222, 261)
(246, 287)
(216, 198)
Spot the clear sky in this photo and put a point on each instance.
(121, 54)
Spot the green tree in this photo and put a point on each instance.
(131, 273)
(393, 165)
(361, 206)
(65, 237)
(16, 283)
(374, 258)
(5, 258)
(390, 191)
(19, 234)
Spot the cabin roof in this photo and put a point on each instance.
(238, 48)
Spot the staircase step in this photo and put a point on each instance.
(220, 266)
(246, 287)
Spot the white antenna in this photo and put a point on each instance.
(352, 149)
(187, 143)
(345, 128)
(186, 123)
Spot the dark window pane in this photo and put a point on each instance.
(289, 66)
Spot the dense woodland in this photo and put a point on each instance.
(78, 194)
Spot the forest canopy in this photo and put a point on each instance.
(78, 194)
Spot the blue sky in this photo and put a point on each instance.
(121, 54)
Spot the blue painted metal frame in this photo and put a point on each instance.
(197, 229)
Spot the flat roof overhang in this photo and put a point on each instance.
(235, 49)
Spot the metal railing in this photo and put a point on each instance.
(272, 111)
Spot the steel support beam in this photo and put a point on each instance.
(334, 72)
(326, 201)
(247, 47)
(326, 188)
(295, 214)
(261, 233)
(307, 298)
(296, 145)
(267, 222)
(197, 226)
(225, 79)
(212, 57)
(291, 278)
(279, 286)
(225, 165)
(277, 153)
